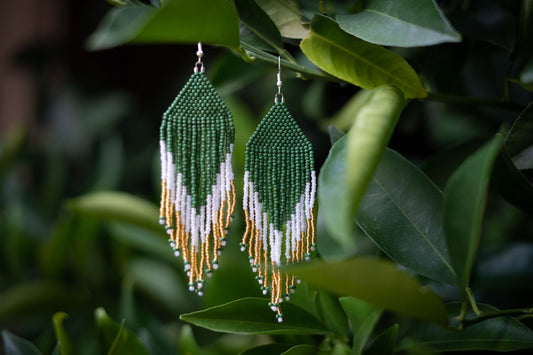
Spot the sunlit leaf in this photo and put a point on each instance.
(286, 17)
(406, 23)
(464, 202)
(352, 160)
(177, 21)
(378, 282)
(253, 316)
(259, 30)
(358, 62)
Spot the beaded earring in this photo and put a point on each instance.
(279, 195)
(197, 190)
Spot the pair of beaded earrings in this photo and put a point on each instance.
(198, 194)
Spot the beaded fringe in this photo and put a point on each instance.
(197, 189)
(278, 200)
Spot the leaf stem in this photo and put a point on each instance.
(476, 101)
(250, 53)
(490, 315)
(472, 301)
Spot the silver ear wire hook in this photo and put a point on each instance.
(199, 66)
(279, 96)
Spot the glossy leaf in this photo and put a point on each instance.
(259, 30)
(348, 170)
(401, 212)
(511, 183)
(177, 21)
(15, 345)
(286, 17)
(356, 61)
(116, 339)
(378, 282)
(464, 200)
(331, 314)
(118, 206)
(335, 207)
(302, 349)
(253, 316)
(65, 344)
(363, 317)
(385, 342)
(520, 136)
(497, 334)
(369, 135)
(406, 23)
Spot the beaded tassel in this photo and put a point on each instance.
(197, 190)
(279, 195)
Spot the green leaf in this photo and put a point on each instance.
(334, 205)
(15, 345)
(369, 135)
(65, 345)
(497, 334)
(116, 338)
(165, 289)
(177, 21)
(464, 200)
(331, 314)
(187, 342)
(378, 282)
(118, 206)
(356, 61)
(526, 75)
(406, 23)
(253, 316)
(401, 212)
(385, 342)
(511, 183)
(259, 30)
(286, 17)
(520, 137)
(363, 317)
(301, 349)
(267, 349)
(348, 170)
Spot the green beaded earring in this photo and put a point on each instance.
(197, 190)
(279, 195)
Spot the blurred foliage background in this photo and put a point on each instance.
(75, 122)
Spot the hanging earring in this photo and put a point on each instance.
(197, 190)
(279, 195)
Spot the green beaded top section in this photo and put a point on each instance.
(279, 158)
(198, 130)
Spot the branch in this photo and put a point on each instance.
(496, 314)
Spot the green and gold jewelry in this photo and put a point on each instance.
(197, 190)
(279, 195)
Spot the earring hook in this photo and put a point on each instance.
(199, 66)
(279, 96)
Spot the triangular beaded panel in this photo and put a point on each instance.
(198, 194)
(279, 194)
